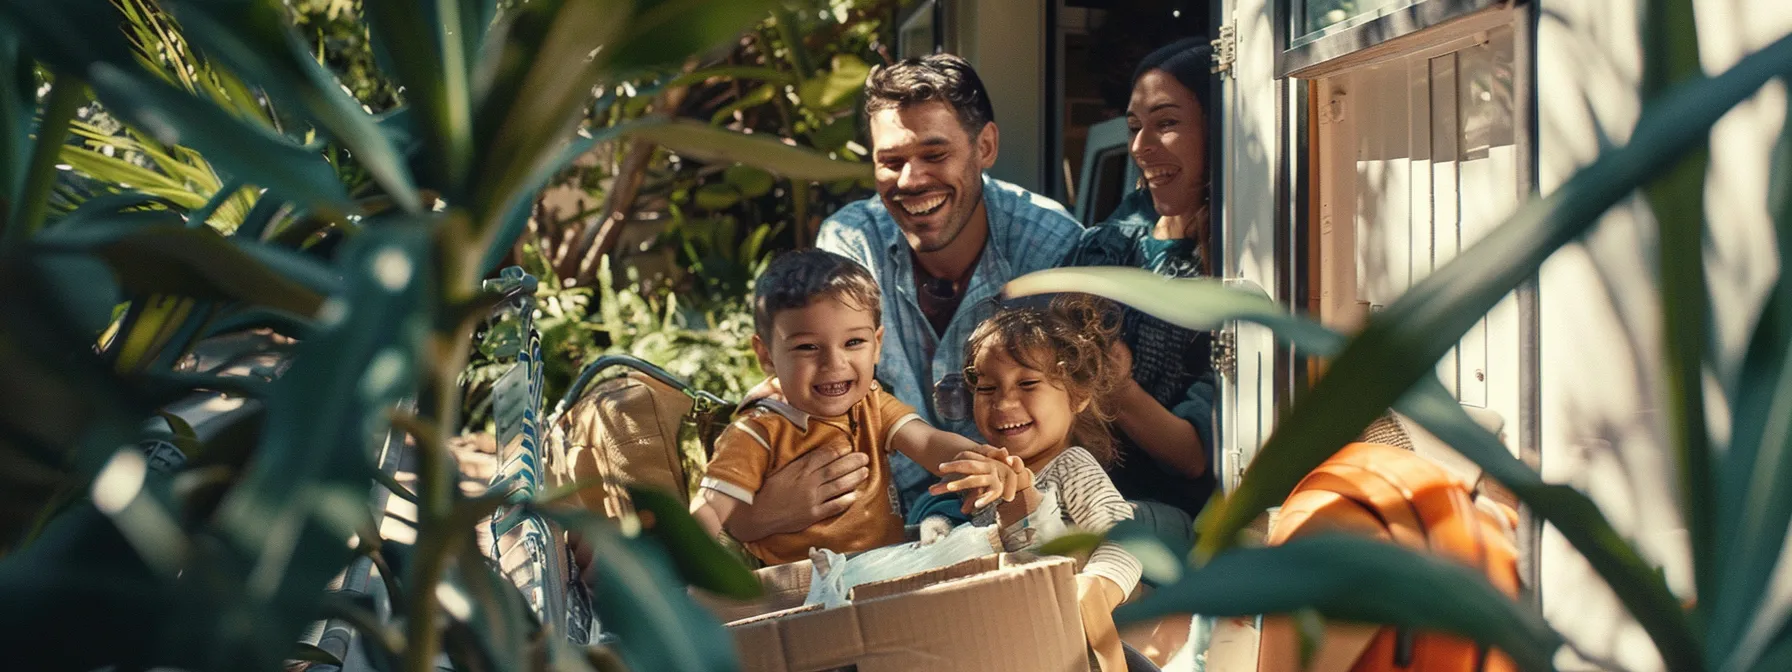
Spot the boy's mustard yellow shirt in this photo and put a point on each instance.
(772, 435)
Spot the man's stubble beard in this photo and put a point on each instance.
(956, 221)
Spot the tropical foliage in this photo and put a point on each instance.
(269, 201)
(1735, 504)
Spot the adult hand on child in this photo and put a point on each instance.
(819, 485)
(1096, 598)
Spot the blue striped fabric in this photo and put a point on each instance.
(1027, 232)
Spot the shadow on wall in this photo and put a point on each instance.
(1603, 429)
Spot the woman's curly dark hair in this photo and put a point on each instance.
(1071, 343)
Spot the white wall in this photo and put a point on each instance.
(1250, 141)
(1005, 41)
(1602, 423)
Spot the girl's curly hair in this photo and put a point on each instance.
(1071, 343)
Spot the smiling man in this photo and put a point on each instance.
(941, 237)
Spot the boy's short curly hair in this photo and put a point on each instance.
(794, 279)
(938, 77)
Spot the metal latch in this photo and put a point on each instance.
(1224, 353)
(1225, 50)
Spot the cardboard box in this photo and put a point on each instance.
(1000, 612)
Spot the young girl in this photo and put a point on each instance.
(1040, 379)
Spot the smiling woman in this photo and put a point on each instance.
(1164, 411)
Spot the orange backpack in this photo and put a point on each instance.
(1404, 498)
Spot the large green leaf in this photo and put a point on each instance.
(668, 31)
(681, 135)
(1753, 506)
(1638, 586)
(253, 38)
(420, 58)
(720, 145)
(1356, 579)
(118, 171)
(532, 95)
(196, 263)
(1205, 304)
(501, 624)
(33, 202)
(79, 37)
(129, 205)
(18, 100)
(640, 600)
(702, 561)
(1402, 344)
(1202, 304)
(81, 570)
(836, 89)
(307, 490)
(1671, 55)
(1778, 653)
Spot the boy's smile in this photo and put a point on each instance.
(823, 354)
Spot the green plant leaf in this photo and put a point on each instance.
(128, 175)
(1778, 653)
(1638, 586)
(1202, 304)
(307, 490)
(668, 31)
(502, 624)
(730, 72)
(196, 263)
(640, 599)
(699, 558)
(1161, 563)
(129, 205)
(1071, 544)
(439, 101)
(718, 145)
(18, 102)
(79, 37)
(716, 196)
(1402, 344)
(752, 182)
(251, 152)
(1205, 304)
(530, 98)
(267, 208)
(1749, 501)
(33, 200)
(836, 89)
(253, 38)
(1356, 579)
(246, 319)
(759, 95)
(1671, 55)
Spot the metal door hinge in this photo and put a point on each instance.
(1225, 50)
(1225, 353)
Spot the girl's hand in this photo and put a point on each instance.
(1096, 598)
(989, 479)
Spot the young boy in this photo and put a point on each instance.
(817, 323)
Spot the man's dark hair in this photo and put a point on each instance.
(796, 278)
(942, 77)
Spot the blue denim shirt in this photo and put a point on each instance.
(1027, 232)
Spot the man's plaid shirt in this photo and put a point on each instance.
(1027, 233)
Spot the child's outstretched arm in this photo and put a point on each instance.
(938, 451)
(712, 510)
